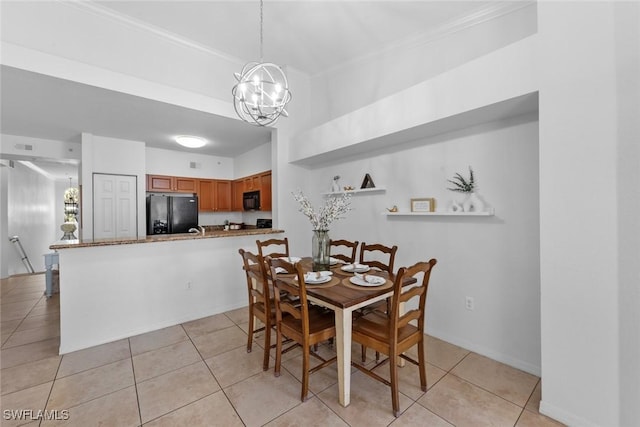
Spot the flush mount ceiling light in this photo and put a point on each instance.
(191, 141)
(262, 91)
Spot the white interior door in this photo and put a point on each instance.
(115, 207)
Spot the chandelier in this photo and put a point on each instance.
(262, 90)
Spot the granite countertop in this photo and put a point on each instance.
(211, 232)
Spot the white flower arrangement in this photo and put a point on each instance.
(334, 208)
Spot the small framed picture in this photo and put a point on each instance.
(423, 205)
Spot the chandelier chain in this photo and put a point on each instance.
(261, 37)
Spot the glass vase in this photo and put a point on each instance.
(320, 248)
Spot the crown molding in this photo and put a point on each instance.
(99, 10)
(480, 15)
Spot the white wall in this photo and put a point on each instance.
(460, 94)
(580, 213)
(492, 259)
(114, 44)
(253, 161)
(627, 33)
(11, 147)
(31, 216)
(365, 80)
(178, 163)
(156, 284)
(4, 220)
(112, 156)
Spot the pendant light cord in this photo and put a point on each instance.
(261, 23)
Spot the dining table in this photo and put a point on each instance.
(342, 296)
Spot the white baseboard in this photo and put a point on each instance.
(500, 357)
(564, 416)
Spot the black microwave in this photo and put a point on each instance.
(251, 201)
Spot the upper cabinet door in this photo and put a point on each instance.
(171, 184)
(252, 183)
(205, 195)
(237, 188)
(185, 185)
(222, 200)
(265, 191)
(159, 183)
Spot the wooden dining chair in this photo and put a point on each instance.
(304, 323)
(341, 244)
(372, 255)
(261, 302)
(280, 248)
(393, 334)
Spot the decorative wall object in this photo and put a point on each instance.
(472, 202)
(423, 205)
(334, 208)
(335, 185)
(367, 182)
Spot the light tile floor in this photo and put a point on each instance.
(199, 374)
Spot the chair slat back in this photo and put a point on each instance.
(419, 290)
(290, 295)
(370, 255)
(255, 271)
(350, 246)
(280, 248)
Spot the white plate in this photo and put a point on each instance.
(316, 275)
(333, 261)
(322, 279)
(291, 259)
(371, 281)
(355, 268)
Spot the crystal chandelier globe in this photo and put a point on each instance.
(262, 91)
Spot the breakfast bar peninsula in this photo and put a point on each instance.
(117, 288)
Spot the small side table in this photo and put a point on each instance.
(50, 260)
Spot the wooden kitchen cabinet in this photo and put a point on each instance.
(214, 195)
(252, 183)
(237, 188)
(169, 184)
(265, 191)
(222, 195)
(205, 195)
(186, 185)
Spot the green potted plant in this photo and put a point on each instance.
(472, 203)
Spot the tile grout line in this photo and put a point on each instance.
(135, 383)
(213, 375)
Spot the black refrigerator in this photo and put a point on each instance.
(171, 214)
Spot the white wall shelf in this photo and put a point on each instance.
(357, 191)
(488, 212)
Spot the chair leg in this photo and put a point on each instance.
(394, 387)
(276, 369)
(250, 338)
(267, 346)
(305, 372)
(364, 353)
(422, 366)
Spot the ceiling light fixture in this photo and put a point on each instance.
(262, 91)
(191, 141)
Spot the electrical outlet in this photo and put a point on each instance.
(469, 304)
(188, 286)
